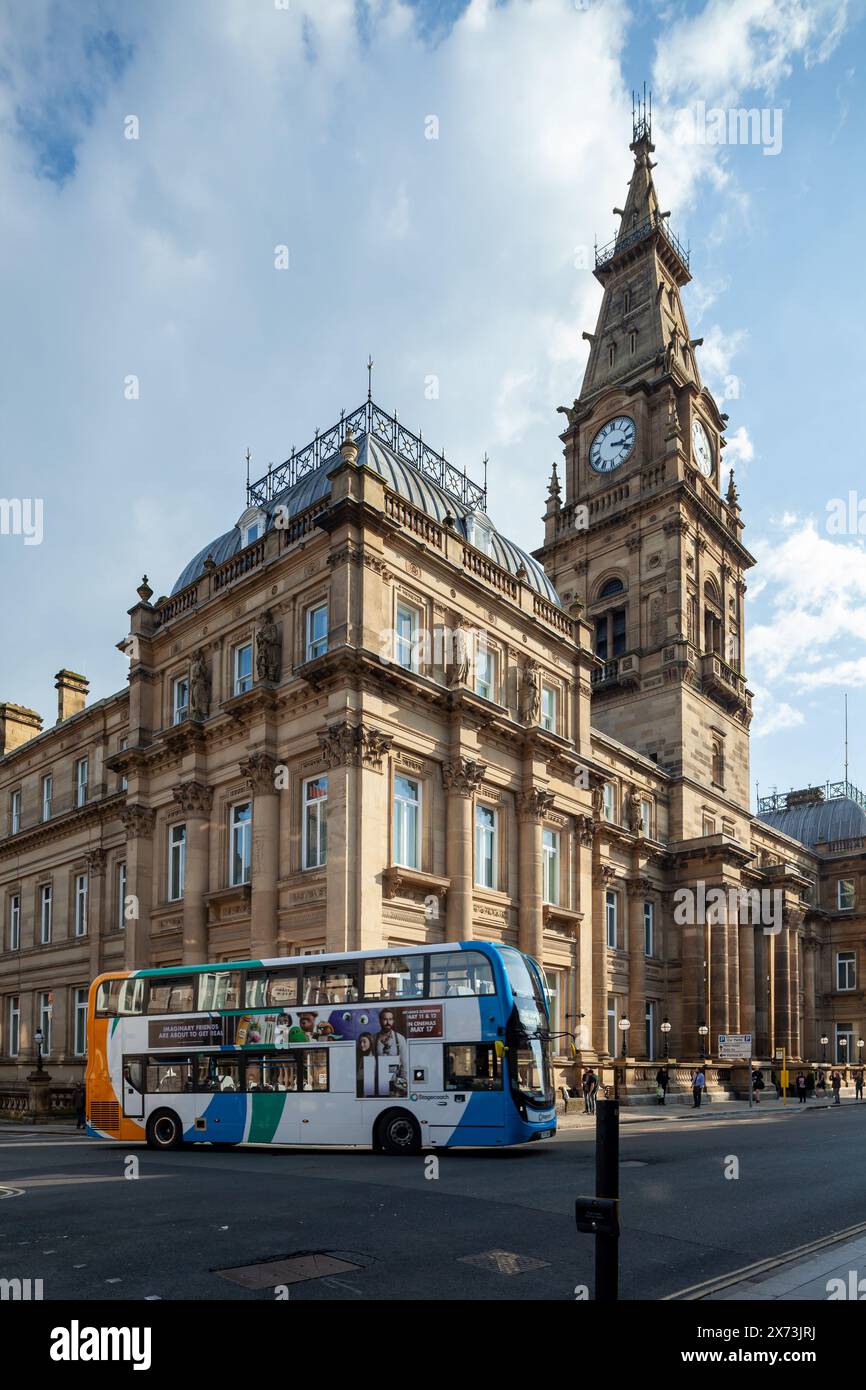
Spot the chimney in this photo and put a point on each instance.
(71, 694)
(17, 725)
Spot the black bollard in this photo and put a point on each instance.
(607, 1186)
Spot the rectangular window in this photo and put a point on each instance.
(241, 826)
(168, 1075)
(485, 846)
(45, 914)
(611, 1026)
(315, 822)
(550, 866)
(123, 744)
(176, 862)
(314, 1068)
(251, 533)
(180, 700)
(16, 812)
(45, 1011)
(618, 630)
(120, 920)
(14, 922)
(406, 637)
(175, 995)
(485, 673)
(219, 989)
(846, 970)
(407, 822)
(548, 708)
(79, 1041)
(646, 818)
(844, 1042)
(650, 1039)
(845, 894)
(553, 980)
(13, 1025)
(277, 987)
(243, 668)
(709, 826)
(317, 631)
(394, 977)
(332, 984)
(47, 794)
(460, 972)
(81, 904)
(609, 801)
(610, 918)
(601, 637)
(648, 930)
(472, 1067)
(81, 773)
(120, 997)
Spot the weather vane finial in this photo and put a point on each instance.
(369, 376)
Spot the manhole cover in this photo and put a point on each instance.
(291, 1271)
(504, 1262)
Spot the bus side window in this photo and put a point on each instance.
(133, 1073)
(460, 972)
(130, 997)
(106, 998)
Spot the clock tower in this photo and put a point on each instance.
(643, 539)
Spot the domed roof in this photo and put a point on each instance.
(818, 822)
(408, 482)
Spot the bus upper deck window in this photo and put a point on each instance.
(335, 983)
(106, 997)
(394, 977)
(219, 989)
(460, 972)
(172, 996)
(130, 996)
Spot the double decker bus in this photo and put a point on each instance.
(423, 1047)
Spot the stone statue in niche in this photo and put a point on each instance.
(530, 694)
(269, 648)
(633, 816)
(459, 654)
(199, 686)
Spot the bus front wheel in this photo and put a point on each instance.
(397, 1132)
(164, 1131)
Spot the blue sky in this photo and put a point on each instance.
(261, 125)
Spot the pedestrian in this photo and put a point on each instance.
(662, 1081)
(821, 1083)
(801, 1087)
(699, 1081)
(757, 1085)
(858, 1084)
(836, 1083)
(590, 1088)
(79, 1102)
(810, 1083)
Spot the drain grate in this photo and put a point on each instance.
(293, 1270)
(504, 1262)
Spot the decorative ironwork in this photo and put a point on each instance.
(808, 796)
(653, 223)
(369, 419)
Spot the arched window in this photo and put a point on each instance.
(610, 626)
(613, 586)
(626, 301)
(718, 763)
(712, 617)
(632, 342)
(611, 354)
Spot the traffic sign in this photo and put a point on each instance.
(734, 1045)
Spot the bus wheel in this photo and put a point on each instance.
(164, 1131)
(397, 1132)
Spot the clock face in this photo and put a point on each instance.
(613, 444)
(702, 449)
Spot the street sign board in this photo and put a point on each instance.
(734, 1045)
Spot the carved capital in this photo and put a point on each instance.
(137, 821)
(585, 826)
(193, 798)
(354, 745)
(604, 875)
(464, 776)
(534, 804)
(639, 887)
(258, 769)
(96, 862)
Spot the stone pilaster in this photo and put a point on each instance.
(258, 769)
(195, 800)
(461, 780)
(746, 953)
(638, 890)
(531, 808)
(810, 1032)
(96, 907)
(603, 878)
(138, 822)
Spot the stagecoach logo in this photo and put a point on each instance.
(75, 1343)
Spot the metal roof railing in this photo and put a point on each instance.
(650, 224)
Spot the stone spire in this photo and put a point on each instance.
(732, 497)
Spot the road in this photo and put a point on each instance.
(89, 1232)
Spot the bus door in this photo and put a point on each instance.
(133, 1088)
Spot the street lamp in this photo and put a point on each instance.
(666, 1028)
(843, 1047)
(39, 1038)
(824, 1041)
(624, 1025)
(703, 1030)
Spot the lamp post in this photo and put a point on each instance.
(624, 1025)
(824, 1041)
(666, 1028)
(843, 1047)
(39, 1038)
(703, 1030)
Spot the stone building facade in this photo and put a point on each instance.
(363, 717)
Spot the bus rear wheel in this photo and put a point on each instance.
(164, 1131)
(397, 1132)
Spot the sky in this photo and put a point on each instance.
(212, 212)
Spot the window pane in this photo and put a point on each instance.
(219, 989)
(173, 996)
(314, 1068)
(281, 1074)
(331, 984)
(460, 972)
(471, 1067)
(169, 1074)
(394, 977)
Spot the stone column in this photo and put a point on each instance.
(258, 769)
(638, 890)
(358, 835)
(195, 799)
(603, 878)
(717, 926)
(734, 1001)
(794, 975)
(810, 1033)
(585, 825)
(371, 836)
(746, 954)
(781, 974)
(138, 823)
(531, 808)
(770, 961)
(693, 987)
(461, 779)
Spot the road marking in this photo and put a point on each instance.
(11, 1192)
(736, 1276)
(65, 1179)
(113, 1281)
